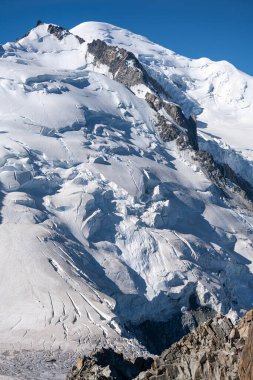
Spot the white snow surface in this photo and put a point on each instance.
(101, 222)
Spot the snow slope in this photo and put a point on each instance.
(218, 88)
(103, 224)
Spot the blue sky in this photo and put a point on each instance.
(218, 29)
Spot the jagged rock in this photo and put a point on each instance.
(1, 50)
(247, 188)
(210, 168)
(123, 65)
(183, 142)
(246, 361)
(192, 132)
(245, 324)
(126, 69)
(208, 353)
(39, 22)
(223, 176)
(216, 350)
(169, 131)
(177, 115)
(60, 32)
(108, 365)
(154, 101)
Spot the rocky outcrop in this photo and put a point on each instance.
(176, 113)
(154, 101)
(246, 361)
(1, 50)
(192, 132)
(190, 125)
(107, 364)
(216, 350)
(166, 130)
(169, 131)
(123, 65)
(223, 176)
(126, 69)
(60, 32)
(209, 353)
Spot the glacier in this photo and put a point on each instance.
(105, 227)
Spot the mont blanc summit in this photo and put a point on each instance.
(126, 184)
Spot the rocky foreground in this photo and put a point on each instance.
(216, 350)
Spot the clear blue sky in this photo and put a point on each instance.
(218, 29)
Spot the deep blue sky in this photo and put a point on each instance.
(218, 29)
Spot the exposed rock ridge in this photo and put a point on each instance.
(175, 112)
(216, 350)
(223, 176)
(210, 353)
(123, 65)
(127, 69)
(246, 361)
(60, 32)
(107, 364)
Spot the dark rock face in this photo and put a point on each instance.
(246, 187)
(192, 132)
(246, 361)
(126, 69)
(208, 353)
(183, 142)
(123, 65)
(39, 22)
(107, 364)
(60, 32)
(190, 125)
(223, 176)
(210, 168)
(1, 50)
(176, 113)
(217, 350)
(154, 101)
(169, 131)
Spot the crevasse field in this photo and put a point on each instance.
(103, 225)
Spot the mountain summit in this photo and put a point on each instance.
(126, 191)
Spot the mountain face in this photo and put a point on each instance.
(216, 350)
(126, 186)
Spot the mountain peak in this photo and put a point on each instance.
(126, 191)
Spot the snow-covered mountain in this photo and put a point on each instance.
(113, 217)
